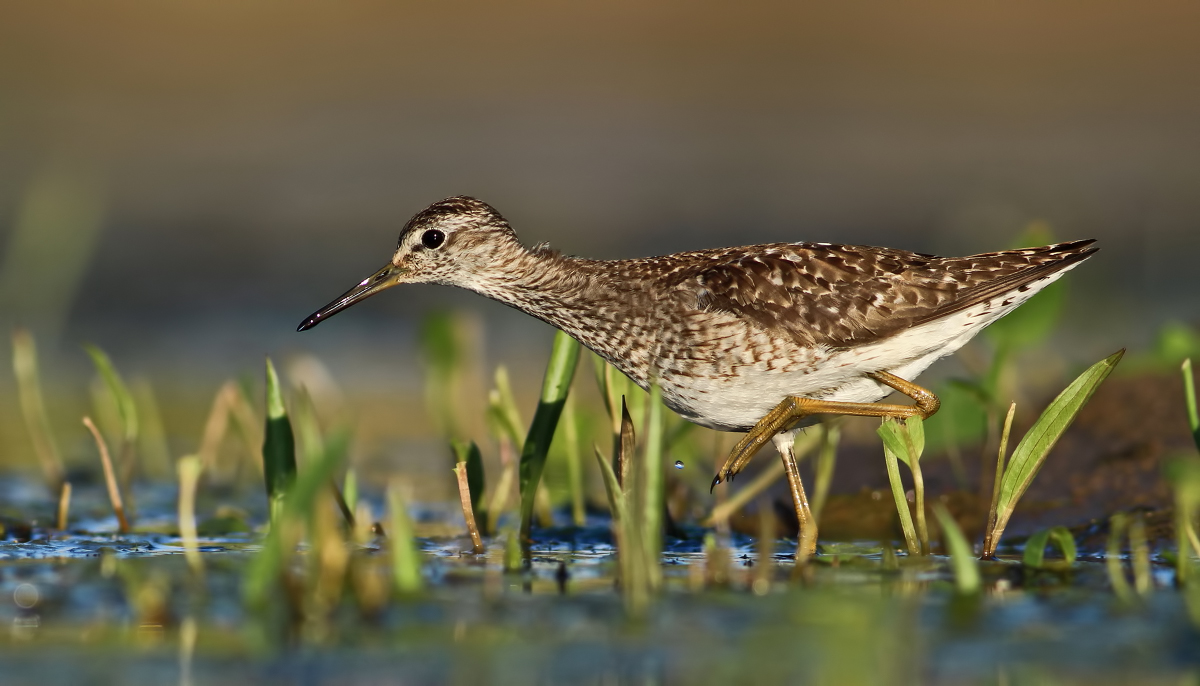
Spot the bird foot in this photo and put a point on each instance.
(792, 409)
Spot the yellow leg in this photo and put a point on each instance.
(792, 409)
(807, 545)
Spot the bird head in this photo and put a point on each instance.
(455, 242)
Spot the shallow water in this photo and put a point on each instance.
(96, 607)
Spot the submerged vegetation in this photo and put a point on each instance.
(554, 552)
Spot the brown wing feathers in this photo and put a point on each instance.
(848, 295)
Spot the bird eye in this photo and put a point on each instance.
(433, 238)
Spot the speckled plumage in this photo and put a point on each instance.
(728, 333)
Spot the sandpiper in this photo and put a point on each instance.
(758, 339)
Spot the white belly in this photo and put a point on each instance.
(737, 401)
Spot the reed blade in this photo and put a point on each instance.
(279, 443)
(1036, 445)
(564, 357)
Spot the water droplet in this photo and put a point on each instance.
(678, 464)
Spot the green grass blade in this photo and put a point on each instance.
(612, 487)
(154, 449)
(1189, 397)
(831, 436)
(915, 427)
(504, 418)
(350, 489)
(1139, 553)
(570, 421)
(305, 425)
(302, 496)
(1035, 547)
(442, 348)
(635, 572)
(1066, 543)
(279, 444)
(962, 558)
(906, 523)
(291, 510)
(33, 408)
(126, 406)
(406, 558)
(990, 533)
(189, 469)
(1184, 476)
(1112, 558)
(905, 440)
(653, 495)
(1031, 452)
(514, 558)
(564, 357)
(913, 433)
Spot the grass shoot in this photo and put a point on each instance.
(962, 559)
(1037, 443)
(406, 559)
(1189, 397)
(906, 441)
(33, 409)
(564, 357)
(189, 478)
(279, 444)
(1059, 536)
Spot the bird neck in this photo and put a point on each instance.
(590, 300)
(565, 292)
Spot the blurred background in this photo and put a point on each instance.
(182, 183)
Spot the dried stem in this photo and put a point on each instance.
(110, 477)
(989, 537)
(189, 477)
(64, 505)
(464, 496)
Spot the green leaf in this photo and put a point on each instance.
(504, 419)
(33, 408)
(406, 558)
(906, 522)
(612, 487)
(891, 431)
(962, 559)
(1031, 452)
(1184, 476)
(651, 483)
(262, 576)
(564, 357)
(1035, 547)
(126, 407)
(916, 433)
(1189, 399)
(904, 438)
(1118, 525)
(279, 444)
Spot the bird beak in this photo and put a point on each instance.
(381, 280)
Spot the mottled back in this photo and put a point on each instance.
(840, 296)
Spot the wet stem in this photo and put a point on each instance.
(919, 493)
